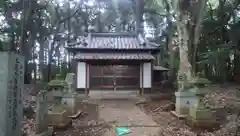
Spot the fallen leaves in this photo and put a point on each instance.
(224, 102)
(173, 131)
(169, 125)
(28, 126)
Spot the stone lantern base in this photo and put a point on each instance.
(58, 119)
(201, 119)
(184, 100)
(200, 113)
(69, 100)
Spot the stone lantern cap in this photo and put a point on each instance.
(57, 83)
(199, 82)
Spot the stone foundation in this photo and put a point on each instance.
(199, 116)
(58, 119)
(203, 124)
(69, 100)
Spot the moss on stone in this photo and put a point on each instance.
(200, 113)
(57, 83)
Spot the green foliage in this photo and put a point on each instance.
(219, 43)
(218, 50)
(213, 3)
(221, 53)
(159, 6)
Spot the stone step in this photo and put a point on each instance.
(108, 95)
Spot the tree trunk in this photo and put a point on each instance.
(24, 19)
(169, 43)
(236, 60)
(23, 33)
(185, 68)
(13, 41)
(69, 62)
(58, 55)
(23, 50)
(139, 15)
(187, 40)
(69, 31)
(171, 59)
(50, 53)
(196, 33)
(41, 60)
(35, 72)
(183, 37)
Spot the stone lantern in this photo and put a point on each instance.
(189, 94)
(199, 84)
(64, 92)
(199, 116)
(58, 87)
(58, 116)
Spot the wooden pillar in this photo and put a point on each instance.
(151, 76)
(88, 78)
(142, 88)
(75, 70)
(87, 81)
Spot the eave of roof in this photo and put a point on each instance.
(160, 68)
(112, 41)
(114, 56)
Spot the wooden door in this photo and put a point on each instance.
(114, 76)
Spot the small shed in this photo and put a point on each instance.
(113, 61)
(159, 74)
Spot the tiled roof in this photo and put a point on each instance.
(114, 56)
(112, 41)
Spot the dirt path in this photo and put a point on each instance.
(125, 113)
